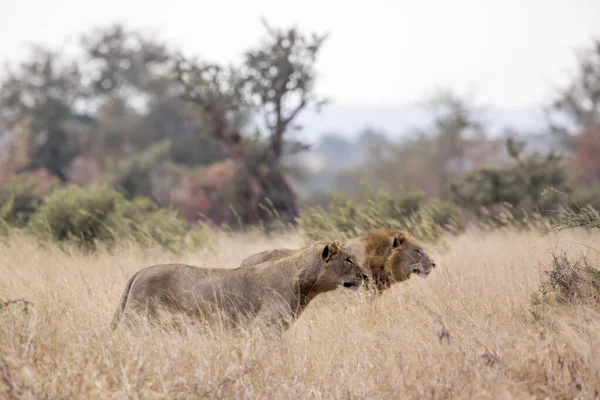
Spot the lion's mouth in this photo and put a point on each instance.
(420, 272)
(352, 286)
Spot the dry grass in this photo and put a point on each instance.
(466, 332)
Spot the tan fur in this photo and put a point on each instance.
(266, 255)
(277, 290)
(389, 255)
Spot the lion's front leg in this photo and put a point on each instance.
(274, 314)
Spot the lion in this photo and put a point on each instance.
(389, 255)
(277, 290)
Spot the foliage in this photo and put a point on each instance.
(586, 147)
(98, 214)
(280, 76)
(518, 183)
(83, 216)
(585, 196)
(148, 173)
(18, 202)
(277, 81)
(45, 88)
(569, 282)
(428, 158)
(201, 192)
(345, 218)
(576, 108)
(134, 85)
(125, 60)
(142, 94)
(586, 216)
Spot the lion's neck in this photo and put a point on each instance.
(385, 276)
(306, 287)
(293, 276)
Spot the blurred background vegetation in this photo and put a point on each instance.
(133, 139)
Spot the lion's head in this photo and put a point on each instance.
(340, 267)
(408, 257)
(395, 255)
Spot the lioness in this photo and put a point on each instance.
(389, 255)
(278, 290)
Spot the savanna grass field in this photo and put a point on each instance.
(472, 330)
(121, 150)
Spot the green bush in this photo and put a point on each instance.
(81, 215)
(18, 202)
(519, 183)
(344, 218)
(161, 227)
(87, 216)
(148, 173)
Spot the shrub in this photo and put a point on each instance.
(344, 218)
(587, 217)
(18, 202)
(443, 214)
(148, 173)
(518, 183)
(86, 216)
(81, 215)
(569, 282)
(161, 227)
(574, 215)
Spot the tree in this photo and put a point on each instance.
(577, 105)
(279, 79)
(455, 123)
(131, 79)
(515, 147)
(586, 160)
(125, 62)
(46, 89)
(574, 116)
(276, 80)
(130, 93)
(435, 155)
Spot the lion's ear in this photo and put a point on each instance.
(399, 241)
(330, 250)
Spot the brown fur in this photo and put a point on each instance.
(389, 255)
(277, 290)
(392, 255)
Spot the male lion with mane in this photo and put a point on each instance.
(389, 255)
(278, 290)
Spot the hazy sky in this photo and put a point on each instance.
(380, 52)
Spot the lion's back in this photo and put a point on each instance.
(267, 255)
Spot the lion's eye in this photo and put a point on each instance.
(419, 251)
(348, 261)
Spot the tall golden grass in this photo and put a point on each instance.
(465, 332)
